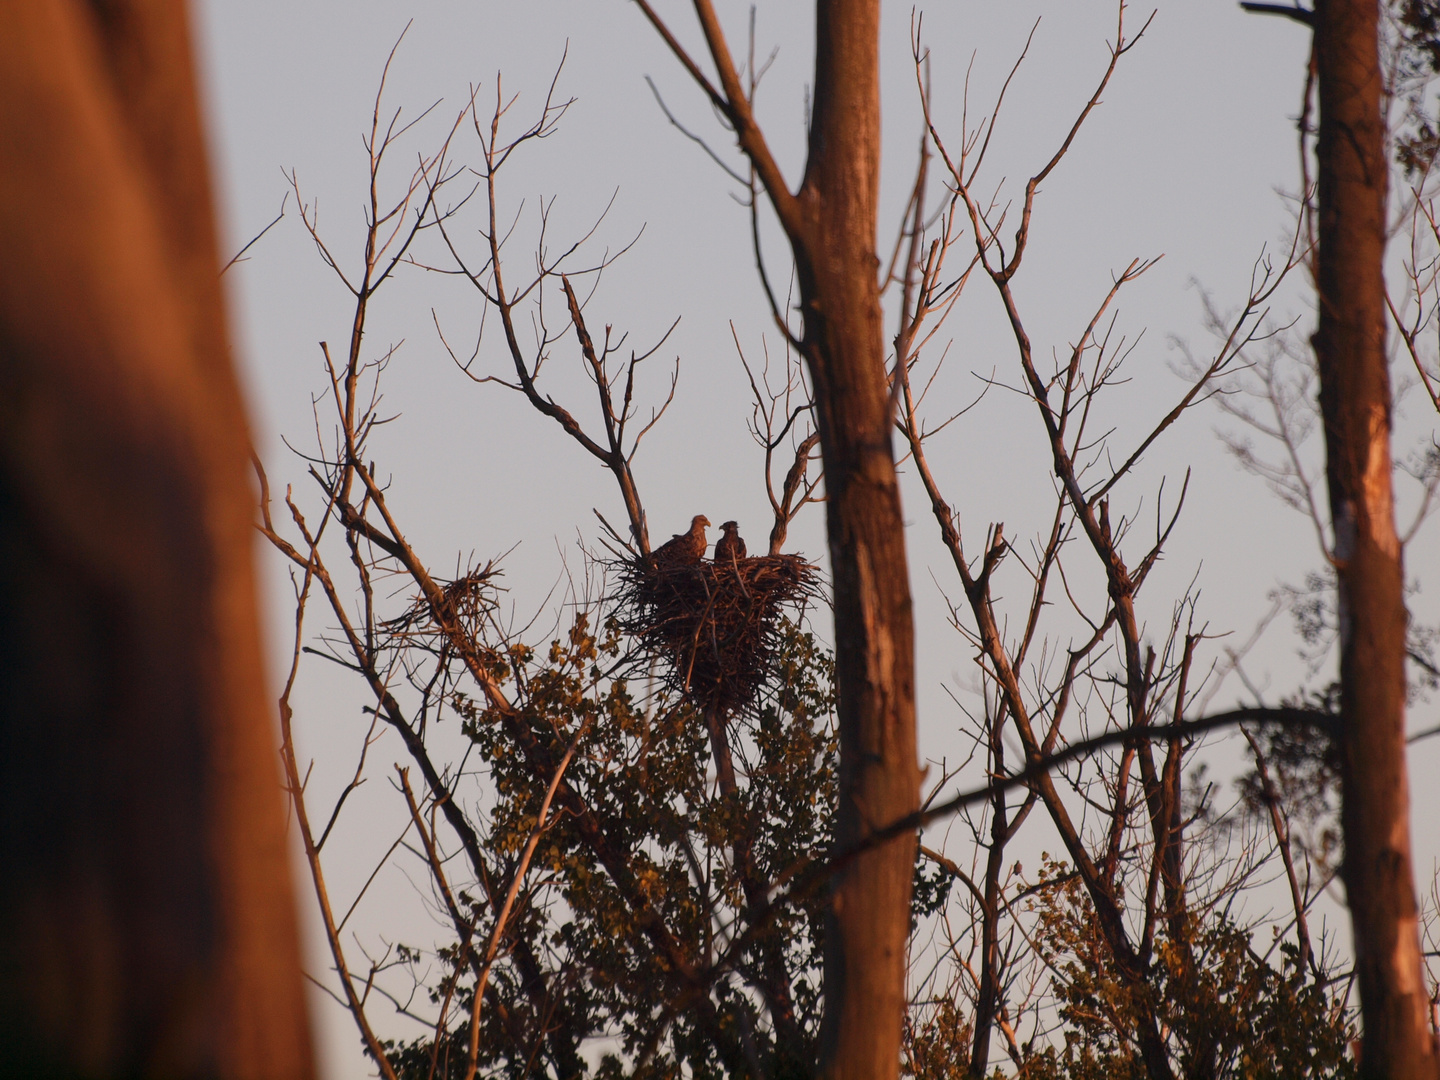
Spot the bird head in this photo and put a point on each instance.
(699, 523)
(730, 528)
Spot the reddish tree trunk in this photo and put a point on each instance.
(146, 923)
(1355, 403)
(865, 943)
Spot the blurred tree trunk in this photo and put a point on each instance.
(834, 244)
(1355, 403)
(146, 921)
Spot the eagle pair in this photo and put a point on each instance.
(687, 549)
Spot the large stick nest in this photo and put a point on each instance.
(715, 627)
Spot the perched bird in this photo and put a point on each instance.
(683, 549)
(730, 547)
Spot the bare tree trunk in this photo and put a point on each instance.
(865, 938)
(831, 225)
(987, 993)
(1355, 403)
(146, 921)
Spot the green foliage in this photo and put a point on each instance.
(637, 886)
(644, 770)
(937, 1041)
(1417, 56)
(929, 891)
(1226, 1012)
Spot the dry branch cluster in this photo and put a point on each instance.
(664, 885)
(715, 627)
(464, 602)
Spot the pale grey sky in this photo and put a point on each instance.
(1186, 157)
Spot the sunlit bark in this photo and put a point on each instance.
(146, 921)
(1355, 402)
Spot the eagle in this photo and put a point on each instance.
(682, 549)
(730, 548)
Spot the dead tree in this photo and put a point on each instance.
(1128, 859)
(447, 655)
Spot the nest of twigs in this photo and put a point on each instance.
(714, 626)
(465, 604)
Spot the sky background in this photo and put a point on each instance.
(1189, 156)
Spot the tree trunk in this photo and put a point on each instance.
(1355, 403)
(831, 224)
(869, 919)
(987, 994)
(146, 923)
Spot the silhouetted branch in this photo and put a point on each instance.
(1296, 12)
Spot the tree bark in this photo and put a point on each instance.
(987, 994)
(1355, 404)
(146, 921)
(831, 223)
(869, 919)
